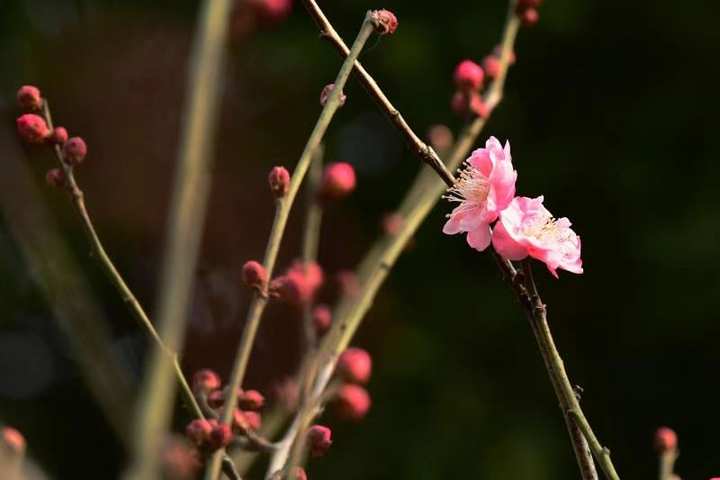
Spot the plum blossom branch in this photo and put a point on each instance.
(283, 206)
(424, 151)
(184, 230)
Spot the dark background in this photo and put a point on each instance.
(611, 111)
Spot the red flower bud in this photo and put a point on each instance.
(298, 474)
(468, 75)
(271, 11)
(254, 275)
(338, 180)
(322, 318)
(385, 22)
(205, 381)
(32, 128)
(55, 177)
(529, 17)
(75, 150)
(13, 441)
(220, 435)
(355, 365)
(250, 400)
(29, 98)
(327, 91)
(353, 402)
(179, 460)
(348, 283)
(198, 431)
(665, 439)
(58, 136)
(440, 137)
(319, 440)
(246, 420)
(469, 101)
(392, 223)
(279, 180)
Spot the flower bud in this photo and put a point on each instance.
(74, 151)
(392, 223)
(220, 435)
(665, 439)
(254, 275)
(322, 318)
(327, 91)
(353, 402)
(355, 365)
(348, 283)
(529, 17)
(465, 102)
(58, 136)
(246, 420)
(440, 137)
(279, 180)
(205, 381)
(55, 177)
(12, 441)
(250, 400)
(468, 75)
(271, 11)
(385, 22)
(179, 460)
(298, 474)
(29, 98)
(299, 284)
(319, 440)
(338, 180)
(32, 128)
(198, 431)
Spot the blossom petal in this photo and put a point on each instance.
(479, 239)
(505, 245)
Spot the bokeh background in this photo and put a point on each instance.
(611, 111)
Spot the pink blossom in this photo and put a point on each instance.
(485, 187)
(527, 228)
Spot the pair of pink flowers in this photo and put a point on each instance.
(485, 190)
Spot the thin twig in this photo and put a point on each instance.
(424, 151)
(185, 227)
(666, 460)
(283, 207)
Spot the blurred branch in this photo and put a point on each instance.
(283, 207)
(184, 231)
(59, 277)
(311, 239)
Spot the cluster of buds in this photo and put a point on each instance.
(354, 368)
(299, 284)
(33, 129)
(211, 434)
(527, 11)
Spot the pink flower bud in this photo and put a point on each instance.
(271, 11)
(179, 460)
(198, 431)
(55, 177)
(29, 98)
(254, 275)
(322, 318)
(392, 223)
(440, 137)
(13, 441)
(75, 150)
(279, 180)
(299, 284)
(491, 64)
(205, 381)
(298, 474)
(353, 402)
(216, 399)
(348, 283)
(528, 16)
(385, 22)
(250, 400)
(58, 136)
(327, 91)
(244, 421)
(355, 365)
(220, 435)
(338, 180)
(32, 128)
(468, 75)
(319, 440)
(465, 102)
(665, 439)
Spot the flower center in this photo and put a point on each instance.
(471, 186)
(546, 228)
